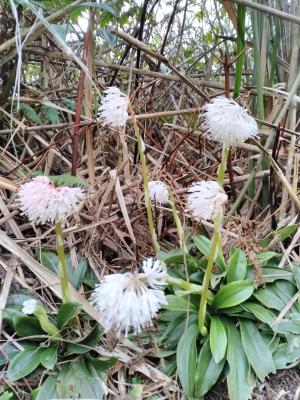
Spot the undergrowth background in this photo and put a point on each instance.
(54, 64)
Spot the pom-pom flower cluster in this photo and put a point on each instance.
(206, 199)
(42, 202)
(113, 108)
(158, 192)
(131, 300)
(228, 123)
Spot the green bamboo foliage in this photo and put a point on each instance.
(275, 29)
(258, 31)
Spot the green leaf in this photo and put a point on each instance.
(258, 353)
(266, 256)
(176, 303)
(47, 391)
(237, 266)
(239, 380)
(260, 312)
(203, 244)
(208, 371)
(24, 363)
(283, 233)
(49, 260)
(27, 326)
(269, 298)
(67, 180)
(101, 6)
(51, 114)
(75, 380)
(284, 358)
(8, 351)
(30, 114)
(101, 364)
(66, 313)
(232, 294)
(187, 358)
(49, 357)
(85, 344)
(217, 339)
(175, 329)
(271, 274)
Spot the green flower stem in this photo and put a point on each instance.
(206, 280)
(216, 246)
(62, 265)
(177, 221)
(189, 287)
(180, 232)
(222, 166)
(146, 181)
(46, 325)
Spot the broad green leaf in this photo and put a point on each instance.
(176, 303)
(24, 363)
(47, 391)
(296, 275)
(287, 326)
(203, 244)
(207, 372)
(75, 380)
(271, 274)
(8, 351)
(50, 260)
(284, 358)
(261, 313)
(66, 313)
(268, 298)
(266, 256)
(258, 353)
(232, 294)
(49, 357)
(101, 364)
(240, 381)
(237, 266)
(283, 234)
(175, 330)
(187, 358)
(85, 344)
(217, 339)
(27, 326)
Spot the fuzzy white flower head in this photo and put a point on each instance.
(113, 108)
(42, 202)
(29, 306)
(158, 192)
(228, 123)
(131, 300)
(206, 199)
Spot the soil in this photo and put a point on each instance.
(285, 385)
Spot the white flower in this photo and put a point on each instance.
(131, 300)
(228, 123)
(206, 199)
(113, 108)
(158, 192)
(42, 202)
(29, 306)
